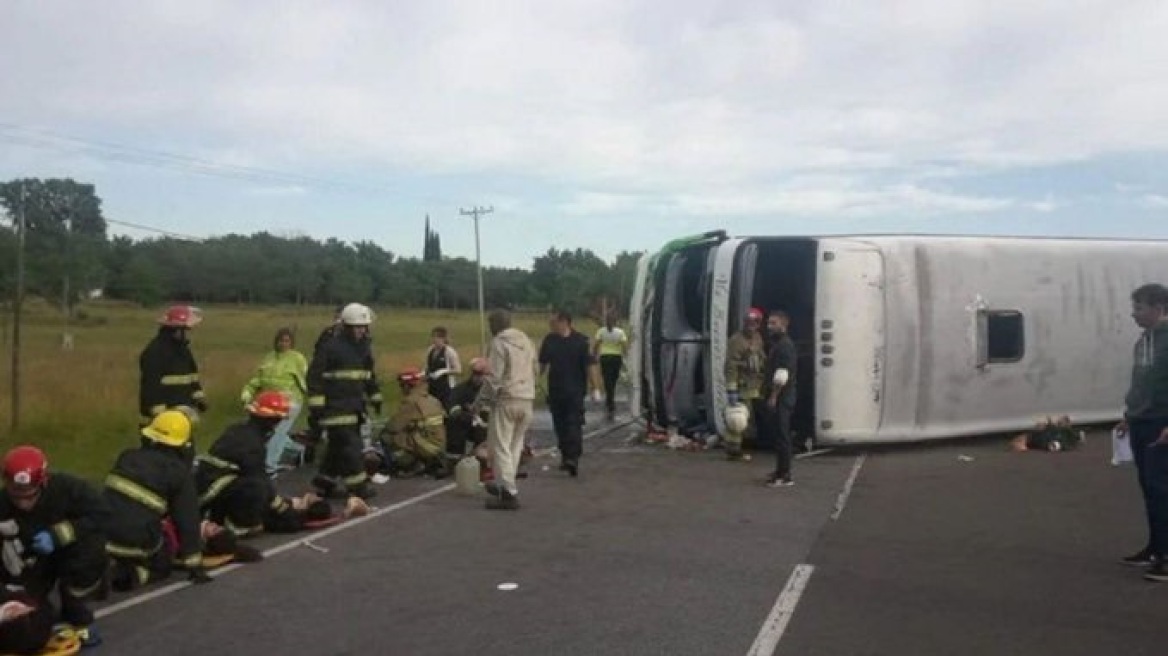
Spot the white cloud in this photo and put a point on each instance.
(704, 108)
(1154, 201)
(288, 190)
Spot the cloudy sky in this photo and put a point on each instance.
(604, 124)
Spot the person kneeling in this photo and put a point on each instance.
(51, 527)
(415, 436)
(147, 486)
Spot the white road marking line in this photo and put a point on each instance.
(291, 544)
(842, 499)
(775, 625)
(812, 454)
(286, 546)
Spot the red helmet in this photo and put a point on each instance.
(270, 404)
(480, 366)
(181, 316)
(25, 471)
(754, 313)
(411, 376)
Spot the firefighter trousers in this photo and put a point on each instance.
(343, 460)
(76, 571)
(140, 555)
(241, 506)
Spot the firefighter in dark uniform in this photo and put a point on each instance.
(169, 373)
(315, 432)
(463, 427)
(147, 485)
(234, 487)
(341, 383)
(415, 436)
(52, 527)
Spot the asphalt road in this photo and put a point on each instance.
(652, 551)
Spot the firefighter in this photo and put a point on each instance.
(169, 373)
(745, 365)
(234, 487)
(415, 436)
(148, 485)
(463, 427)
(341, 384)
(53, 532)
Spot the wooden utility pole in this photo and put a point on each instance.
(17, 308)
(475, 212)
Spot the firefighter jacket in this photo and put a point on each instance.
(745, 365)
(462, 400)
(282, 371)
(341, 381)
(238, 453)
(69, 508)
(419, 425)
(327, 334)
(169, 375)
(146, 485)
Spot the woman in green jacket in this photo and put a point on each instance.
(283, 369)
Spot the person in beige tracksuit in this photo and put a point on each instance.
(509, 392)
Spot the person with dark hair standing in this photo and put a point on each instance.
(442, 366)
(565, 356)
(610, 349)
(778, 388)
(285, 370)
(1145, 420)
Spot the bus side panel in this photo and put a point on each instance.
(720, 327)
(850, 317)
(638, 350)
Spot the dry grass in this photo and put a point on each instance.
(81, 405)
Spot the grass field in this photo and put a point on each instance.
(81, 405)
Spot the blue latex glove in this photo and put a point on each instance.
(42, 543)
(732, 398)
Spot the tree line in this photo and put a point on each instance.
(68, 254)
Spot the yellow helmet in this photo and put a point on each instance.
(171, 427)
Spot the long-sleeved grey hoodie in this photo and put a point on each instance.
(514, 368)
(1148, 396)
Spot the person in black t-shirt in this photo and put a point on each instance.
(565, 356)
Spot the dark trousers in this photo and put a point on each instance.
(568, 421)
(778, 424)
(610, 368)
(1152, 473)
(762, 417)
(76, 571)
(343, 459)
(440, 389)
(242, 505)
(461, 434)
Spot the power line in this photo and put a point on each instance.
(47, 139)
(168, 233)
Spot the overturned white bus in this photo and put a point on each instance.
(900, 338)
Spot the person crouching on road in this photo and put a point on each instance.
(464, 429)
(234, 488)
(147, 485)
(415, 436)
(342, 383)
(52, 527)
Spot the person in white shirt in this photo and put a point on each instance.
(442, 366)
(610, 348)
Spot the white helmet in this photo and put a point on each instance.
(355, 314)
(737, 417)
